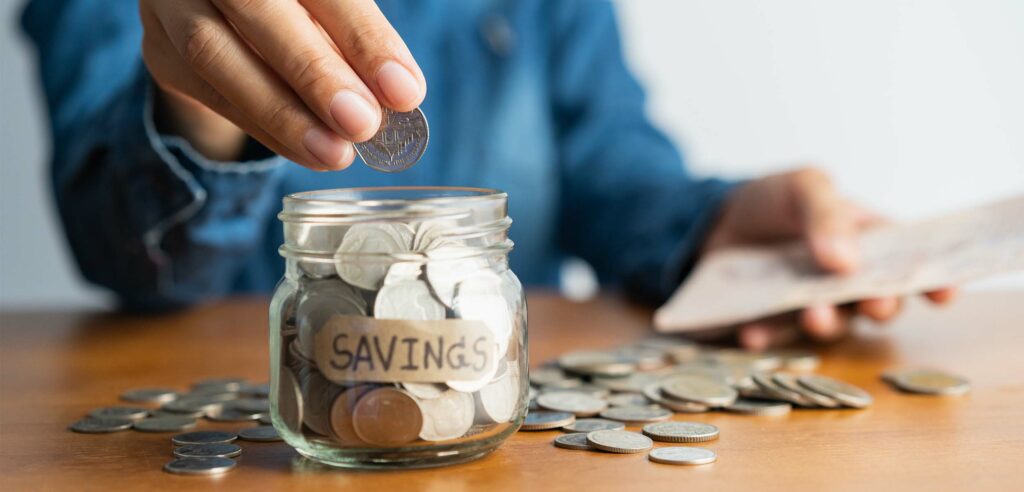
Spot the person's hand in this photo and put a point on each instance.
(306, 78)
(803, 204)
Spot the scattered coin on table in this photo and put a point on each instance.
(263, 433)
(681, 431)
(542, 420)
(204, 437)
(574, 440)
(679, 455)
(200, 466)
(619, 441)
(590, 425)
(207, 451)
(927, 382)
(635, 415)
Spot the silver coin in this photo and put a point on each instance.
(150, 395)
(591, 363)
(634, 383)
(192, 407)
(789, 382)
(845, 393)
(403, 271)
(263, 433)
(448, 265)
(130, 413)
(261, 391)
(929, 382)
(164, 424)
(636, 414)
(203, 437)
(232, 415)
(653, 392)
(486, 377)
(773, 390)
(479, 298)
(619, 441)
(591, 425)
(447, 417)
(410, 299)
(681, 431)
(547, 375)
(399, 143)
(680, 455)
(699, 389)
(93, 425)
(200, 466)
(425, 391)
(266, 420)
(429, 231)
(381, 240)
(225, 384)
(574, 440)
(314, 237)
(756, 407)
(585, 388)
(627, 400)
(250, 405)
(542, 420)
(579, 404)
(496, 402)
(207, 451)
(321, 300)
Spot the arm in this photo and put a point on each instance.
(629, 206)
(145, 215)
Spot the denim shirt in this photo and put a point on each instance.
(532, 97)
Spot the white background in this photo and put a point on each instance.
(915, 107)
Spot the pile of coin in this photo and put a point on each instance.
(390, 284)
(652, 378)
(167, 410)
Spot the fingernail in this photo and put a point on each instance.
(399, 85)
(354, 115)
(329, 148)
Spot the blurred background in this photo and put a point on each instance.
(915, 107)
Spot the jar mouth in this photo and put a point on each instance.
(387, 196)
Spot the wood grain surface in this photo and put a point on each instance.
(54, 367)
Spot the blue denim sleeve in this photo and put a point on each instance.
(629, 207)
(145, 215)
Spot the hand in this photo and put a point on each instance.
(306, 78)
(803, 204)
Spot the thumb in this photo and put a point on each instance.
(829, 224)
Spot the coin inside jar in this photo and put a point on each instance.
(446, 417)
(387, 417)
(342, 425)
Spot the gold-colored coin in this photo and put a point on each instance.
(387, 417)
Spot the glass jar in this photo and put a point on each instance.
(398, 333)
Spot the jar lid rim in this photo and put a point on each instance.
(431, 195)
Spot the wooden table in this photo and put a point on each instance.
(57, 366)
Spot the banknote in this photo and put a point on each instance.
(741, 284)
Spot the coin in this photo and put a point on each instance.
(266, 419)
(319, 394)
(542, 420)
(188, 408)
(547, 375)
(627, 400)
(224, 384)
(845, 393)
(930, 382)
(447, 417)
(486, 377)
(619, 441)
(399, 143)
(430, 230)
(575, 440)
(200, 466)
(449, 265)
(131, 413)
(798, 360)
(425, 391)
(680, 455)
(755, 407)
(634, 383)
(579, 404)
(789, 382)
(410, 299)
(387, 417)
(94, 425)
(636, 414)
(699, 389)
(767, 385)
(203, 437)
(590, 425)
(585, 388)
(478, 297)
(403, 271)
(150, 395)
(653, 392)
(323, 299)
(232, 415)
(250, 405)
(341, 415)
(208, 451)
(496, 402)
(379, 239)
(263, 433)
(289, 400)
(593, 363)
(261, 391)
(681, 431)
(164, 424)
